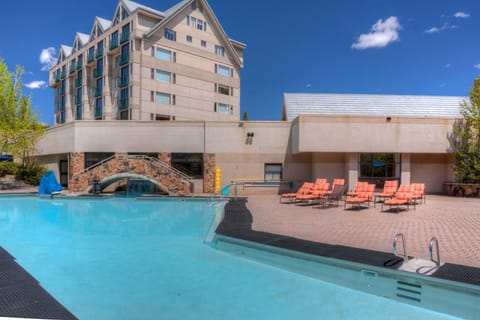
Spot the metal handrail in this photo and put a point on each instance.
(434, 241)
(95, 165)
(395, 239)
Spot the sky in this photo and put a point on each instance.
(423, 47)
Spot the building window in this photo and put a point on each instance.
(79, 112)
(170, 34)
(124, 115)
(223, 70)
(163, 76)
(99, 109)
(63, 171)
(219, 51)
(222, 108)
(160, 117)
(273, 171)
(378, 167)
(92, 158)
(203, 43)
(162, 98)
(189, 38)
(163, 54)
(223, 89)
(189, 163)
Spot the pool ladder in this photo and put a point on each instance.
(395, 240)
(434, 242)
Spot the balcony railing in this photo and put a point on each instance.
(72, 67)
(78, 82)
(61, 92)
(124, 59)
(123, 104)
(125, 37)
(79, 64)
(99, 52)
(90, 58)
(123, 82)
(98, 92)
(57, 77)
(114, 43)
(98, 72)
(63, 74)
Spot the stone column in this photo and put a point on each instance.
(209, 172)
(351, 169)
(76, 165)
(405, 174)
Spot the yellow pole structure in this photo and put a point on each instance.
(218, 180)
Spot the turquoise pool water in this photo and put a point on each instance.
(146, 259)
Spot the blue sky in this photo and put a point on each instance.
(313, 46)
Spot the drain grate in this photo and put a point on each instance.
(409, 291)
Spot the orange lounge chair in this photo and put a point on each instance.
(361, 198)
(400, 199)
(290, 197)
(418, 192)
(318, 192)
(336, 182)
(359, 187)
(332, 198)
(389, 189)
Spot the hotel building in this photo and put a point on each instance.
(156, 95)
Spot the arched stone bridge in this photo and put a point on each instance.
(121, 166)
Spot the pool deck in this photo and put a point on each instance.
(455, 222)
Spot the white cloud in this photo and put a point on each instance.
(462, 15)
(477, 66)
(47, 58)
(432, 30)
(308, 85)
(382, 34)
(448, 65)
(36, 85)
(445, 26)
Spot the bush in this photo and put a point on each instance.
(8, 167)
(31, 174)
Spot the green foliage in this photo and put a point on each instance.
(467, 139)
(245, 116)
(19, 129)
(8, 167)
(30, 173)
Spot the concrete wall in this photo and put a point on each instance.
(328, 165)
(328, 133)
(431, 169)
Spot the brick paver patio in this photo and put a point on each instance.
(454, 221)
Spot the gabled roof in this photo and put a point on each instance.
(176, 9)
(295, 104)
(66, 50)
(133, 6)
(104, 23)
(82, 37)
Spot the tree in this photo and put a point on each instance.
(467, 138)
(19, 128)
(245, 116)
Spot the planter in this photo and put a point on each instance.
(461, 189)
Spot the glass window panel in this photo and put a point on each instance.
(163, 76)
(163, 54)
(162, 98)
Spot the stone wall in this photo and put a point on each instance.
(165, 157)
(209, 172)
(76, 165)
(168, 179)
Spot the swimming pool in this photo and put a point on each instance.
(120, 258)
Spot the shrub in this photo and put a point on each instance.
(8, 167)
(31, 173)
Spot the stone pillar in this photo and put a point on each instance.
(405, 174)
(165, 157)
(209, 172)
(351, 169)
(76, 165)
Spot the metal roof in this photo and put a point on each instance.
(296, 104)
(132, 6)
(104, 23)
(83, 38)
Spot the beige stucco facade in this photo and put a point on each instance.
(276, 142)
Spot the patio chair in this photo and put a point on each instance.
(418, 192)
(332, 198)
(318, 192)
(320, 181)
(290, 197)
(359, 187)
(400, 199)
(336, 182)
(389, 189)
(364, 197)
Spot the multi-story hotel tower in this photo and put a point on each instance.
(150, 65)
